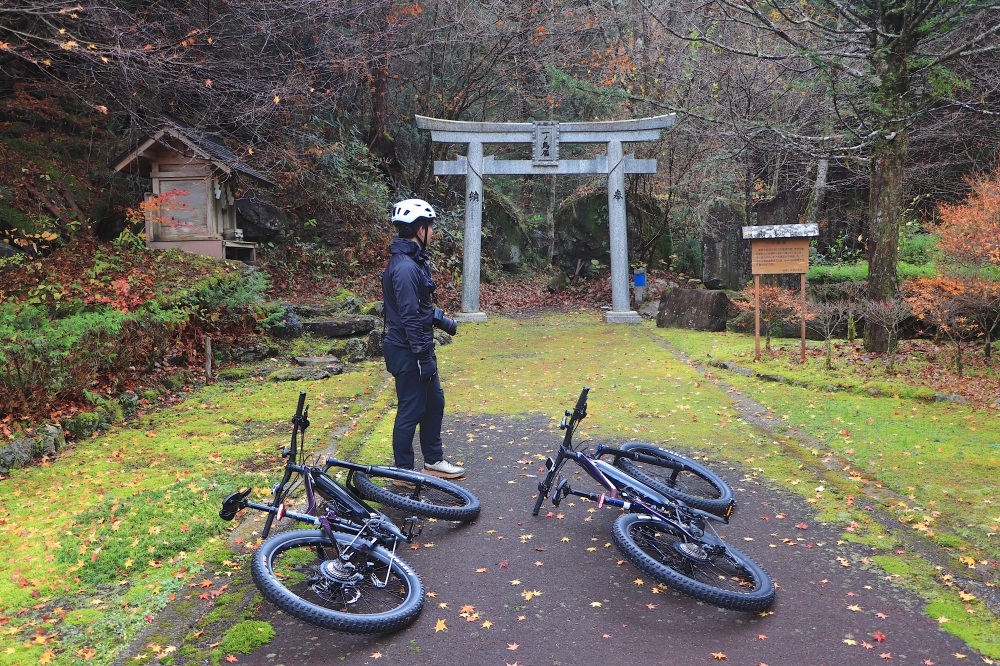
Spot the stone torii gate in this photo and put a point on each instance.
(545, 137)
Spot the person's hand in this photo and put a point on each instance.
(428, 368)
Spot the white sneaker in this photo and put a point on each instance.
(444, 469)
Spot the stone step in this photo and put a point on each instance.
(317, 361)
(344, 326)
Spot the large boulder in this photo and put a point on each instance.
(298, 374)
(725, 256)
(16, 454)
(341, 327)
(7, 250)
(506, 238)
(260, 220)
(697, 309)
(51, 440)
(289, 326)
(582, 235)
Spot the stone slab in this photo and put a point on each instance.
(470, 316)
(622, 317)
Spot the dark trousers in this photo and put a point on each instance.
(418, 405)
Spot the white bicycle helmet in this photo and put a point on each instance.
(410, 210)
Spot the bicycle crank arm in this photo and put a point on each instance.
(564, 490)
(238, 501)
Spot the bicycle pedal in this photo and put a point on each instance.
(233, 504)
(412, 527)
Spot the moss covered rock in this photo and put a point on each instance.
(247, 636)
(83, 425)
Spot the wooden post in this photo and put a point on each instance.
(756, 316)
(208, 359)
(803, 319)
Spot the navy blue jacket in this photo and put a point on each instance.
(407, 289)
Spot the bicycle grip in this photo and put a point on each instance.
(302, 402)
(581, 404)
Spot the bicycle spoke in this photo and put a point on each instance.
(691, 559)
(352, 587)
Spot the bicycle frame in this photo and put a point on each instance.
(345, 511)
(623, 491)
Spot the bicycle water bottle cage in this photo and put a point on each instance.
(234, 503)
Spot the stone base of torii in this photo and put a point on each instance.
(545, 137)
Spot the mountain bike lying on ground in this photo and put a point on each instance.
(660, 533)
(345, 575)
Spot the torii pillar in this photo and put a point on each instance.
(545, 137)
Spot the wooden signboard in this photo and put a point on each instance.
(773, 256)
(779, 249)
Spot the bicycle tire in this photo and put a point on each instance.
(732, 581)
(424, 495)
(678, 477)
(294, 571)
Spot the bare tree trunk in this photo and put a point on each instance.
(379, 138)
(885, 204)
(818, 194)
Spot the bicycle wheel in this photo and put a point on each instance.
(731, 580)
(304, 574)
(678, 477)
(422, 494)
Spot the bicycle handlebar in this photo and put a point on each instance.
(581, 403)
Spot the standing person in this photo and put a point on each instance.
(410, 316)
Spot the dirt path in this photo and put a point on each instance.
(553, 590)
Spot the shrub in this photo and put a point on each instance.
(858, 272)
(48, 354)
(776, 305)
(918, 249)
(970, 232)
(39, 355)
(230, 300)
(963, 308)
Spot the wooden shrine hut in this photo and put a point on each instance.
(200, 177)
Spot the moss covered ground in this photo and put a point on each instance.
(125, 524)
